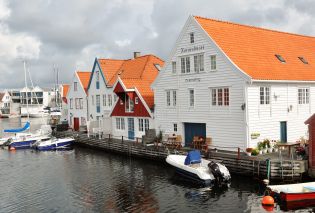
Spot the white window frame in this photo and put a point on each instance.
(213, 62)
(81, 103)
(220, 97)
(110, 100)
(130, 105)
(173, 67)
(174, 98)
(136, 100)
(71, 103)
(264, 95)
(199, 63)
(144, 124)
(191, 95)
(77, 104)
(75, 86)
(168, 98)
(303, 95)
(175, 127)
(104, 100)
(120, 123)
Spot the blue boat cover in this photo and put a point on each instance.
(26, 127)
(193, 157)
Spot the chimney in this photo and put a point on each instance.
(136, 54)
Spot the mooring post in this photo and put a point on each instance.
(122, 139)
(238, 153)
(108, 137)
(268, 169)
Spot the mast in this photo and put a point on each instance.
(28, 115)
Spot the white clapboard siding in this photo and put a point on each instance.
(225, 125)
(265, 119)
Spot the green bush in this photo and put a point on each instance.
(255, 152)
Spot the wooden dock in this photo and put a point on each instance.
(237, 163)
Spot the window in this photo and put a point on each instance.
(168, 98)
(71, 103)
(173, 66)
(279, 57)
(213, 59)
(192, 38)
(136, 100)
(98, 103)
(220, 96)
(303, 60)
(303, 95)
(191, 98)
(175, 127)
(97, 73)
(143, 124)
(120, 123)
(110, 101)
(104, 100)
(129, 104)
(264, 95)
(174, 97)
(115, 98)
(81, 103)
(83, 121)
(77, 104)
(198, 63)
(185, 64)
(75, 86)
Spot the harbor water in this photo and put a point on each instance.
(86, 180)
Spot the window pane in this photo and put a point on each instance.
(174, 97)
(187, 64)
(267, 93)
(122, 122)
(214, 97)
(192, 38)
(168, 98)
(191, 98)
(307, 96)
(300, 96)
(183, 67)
(196, 64)
(226, 97)
(220, 97)
(213, 62)
(117, 123)
(262, 95)
(201, 62)
(146, 124)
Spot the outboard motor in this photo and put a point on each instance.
(220, 172)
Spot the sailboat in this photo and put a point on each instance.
(22, 140)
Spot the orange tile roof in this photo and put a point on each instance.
(109, 68)
(253, 50)
(65, 90)
(84, 77)
(139, 73)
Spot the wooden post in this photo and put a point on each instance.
(108, 137)
(238, 153)
(122, 139)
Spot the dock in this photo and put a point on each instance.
(262, 166)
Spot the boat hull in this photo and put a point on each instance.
(297, 197)
(194, 178)
(22, 144)
(56, 145)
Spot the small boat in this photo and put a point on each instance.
(299, 192)
(200, 170)
(53, 144)
(40, 114)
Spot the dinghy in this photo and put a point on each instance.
(200, 170)
(300, 192)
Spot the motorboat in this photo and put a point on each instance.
(299, 192)
(40, 114)
(200, 170)
(53, 144)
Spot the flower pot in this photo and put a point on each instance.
(270, 150)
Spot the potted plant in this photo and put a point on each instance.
(300, 152)
(275, 147)
(255, 152)
(249, 151)
(269, 145)
(260, 147)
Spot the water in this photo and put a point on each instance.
(84, 180)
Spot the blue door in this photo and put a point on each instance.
(194, 129)
(283, 131)
(131, 129)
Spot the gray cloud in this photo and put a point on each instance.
(72, 33)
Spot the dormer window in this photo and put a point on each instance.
(303, 60)
(192, 38)
(279, 57)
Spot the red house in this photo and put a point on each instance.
(132, 114)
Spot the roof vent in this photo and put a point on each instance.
(279, 57)
(303, 60)
(136, 54)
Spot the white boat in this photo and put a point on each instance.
(200, 170)
(53, 144)
(40, 114)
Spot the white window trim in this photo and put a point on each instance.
(217, 97)
(264, 96)
(305, 100)
(194, 104)
(216, 64)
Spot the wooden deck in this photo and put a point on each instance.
(237, 163)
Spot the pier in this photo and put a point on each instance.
(268, 166)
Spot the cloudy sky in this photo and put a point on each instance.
(71, 33)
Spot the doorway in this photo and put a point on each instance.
(194, 129)
(131, 129)
(283, 131)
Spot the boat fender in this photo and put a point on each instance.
(12, 148)
(268, 201)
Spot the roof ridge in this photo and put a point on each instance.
(145, 66)
(254, 27)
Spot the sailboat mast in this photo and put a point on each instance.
(25, 76)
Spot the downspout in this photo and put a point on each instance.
(246, 112)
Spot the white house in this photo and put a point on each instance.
(10, 105)
(236, 84)
(77, 100)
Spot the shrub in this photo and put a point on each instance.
(255, 152)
